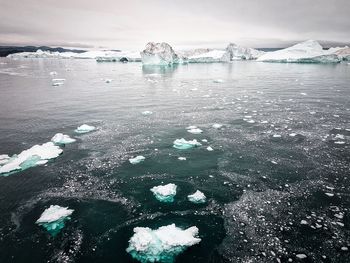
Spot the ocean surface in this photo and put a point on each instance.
(277, 181)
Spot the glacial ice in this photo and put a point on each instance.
(209, 57)
(164, 193)
(158, 54)
(137, 159)
(4, 158)
(162, 244)
(182, 144)
(53, 218)
(36, 155)
(235, 52)
(84, 128)
(61, 138)
(306, 52)
(198, 197)
(343, 53)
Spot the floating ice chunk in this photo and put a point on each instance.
(306, 52)
(162, 244)
(182, 144)
(250, 121)
(217, 126)
(158, 54)
(218, 81)
(147, 112)
(339, 142)
(198, 197)
(303, 222)
(56, 84)
(208, 57)
(235, 52)
(58, 80)
(204, 140)
(276, 136)
(53, 218)
(137, 159)
(4, 158)
(339, 136)
(329, 194)
(61, 138)
(84, 128)
(182, 158)
(164, 193)
(53, 73)
(191, 127)
(37, 155)
(195, 131)
(301, 256)
(210, 149)
(292, 134)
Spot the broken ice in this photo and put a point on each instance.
(182, 144)
(198, 197)
(53, 218)
(137, 159)
(164, 193)
(61, 138)
(162, 244)
(84, 128)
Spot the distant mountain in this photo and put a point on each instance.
(7, 50)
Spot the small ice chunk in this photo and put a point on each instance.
(198, 197)
(303, 93)
(108, 80)
(204, 140)
(36, 155)
(210, 149)
(84, 128)
(292, 134)
(164, 193)
(217, 126)
(147, 112)
(329, 194)
(53, 73)
(301, 256)
(137, 159)
(303, 222)
(218, 81)
(182, 144)
(195, 131)
(182, 158)
(162, 244)
(56, 84)
(61, 138)
(53, 218)
(4, 158)
(276, 136)
(339, 142)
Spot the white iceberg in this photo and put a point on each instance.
(137, 159)
(343, 53)
(60, 138)
(198, 197)
(210, 149)
(84, 128)
(306, 52)
(36, 155)
(162, 244)
(194, 130)
(235, 52)
(158, 54)
(209, 57)
(182, 144)
(164, 193)
(53, 218)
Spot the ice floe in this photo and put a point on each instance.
(162, 244)
(36, 155)
(164, 193)
(53, 218)
(217, 126)
(306, 52)
(181, 158)
(198, 197)
(84, 128)
(147, 112)
(158, 54)
(183, 144)
(210, 149)
(60, 138)
(194, 130)
(137, 159)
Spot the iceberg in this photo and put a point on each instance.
(61, 138)
(194, 130)
(36, 155)
(84, 128)
(198, 197)
(158, 54)
(164, 193)
(162, 244)
(53, 218)
(217, 126)
(306, 52)
(137, 159)
(182, 144)
(209, 57)
(235, 52)
(147, 112)
(119, 56)
(4, 158)
(342, 53)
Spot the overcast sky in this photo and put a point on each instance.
(130, 24)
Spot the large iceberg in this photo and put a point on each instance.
(164, 193)
(306, 52)
(162, 244)
(158, 54)
(37, 155)
(183, 144)
(53, 218)
(235, 52)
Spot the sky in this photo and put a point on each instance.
(130, 24)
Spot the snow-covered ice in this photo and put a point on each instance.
(36, 155)
(162, 244)
(306, 52)
(137, 159)
(164, 193)
(183, 144)
(158, 54)
(53, 218)
(198, 197)
(84, 128)
(60, 138)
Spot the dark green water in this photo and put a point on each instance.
(258, 187)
